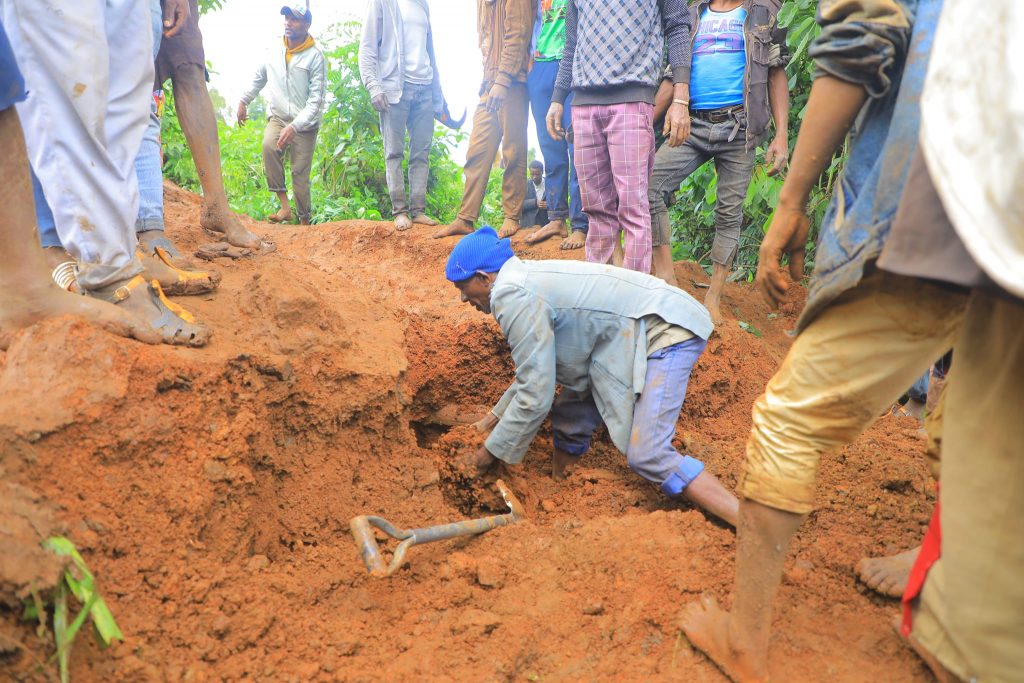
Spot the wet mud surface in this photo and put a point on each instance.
(210, 490)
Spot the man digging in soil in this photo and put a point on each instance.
(622, 344)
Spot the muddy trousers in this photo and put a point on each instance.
(301, 151)
(414, 112)
(726, 144)
(89, 70)
(575, 417)
(506, 129)
(851, 363)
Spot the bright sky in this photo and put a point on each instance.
(236, 37)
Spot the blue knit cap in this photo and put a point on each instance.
(478, 251)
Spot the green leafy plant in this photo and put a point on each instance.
(76, 581)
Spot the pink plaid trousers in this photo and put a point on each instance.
(614, 157)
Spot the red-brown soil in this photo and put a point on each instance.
(210, 490)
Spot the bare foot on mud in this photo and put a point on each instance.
(509, 227)
(403, 222)
(553, 229)
(177, 281)
(456, 227)
(576, 240)
(713, 304)
(283, 215)
(226, 223)
(707, 626)
(25, 306)
(424, 219)
(887, 575)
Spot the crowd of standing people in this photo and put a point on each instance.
(921, 250)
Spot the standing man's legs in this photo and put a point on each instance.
(514, 117)
(672, 165)
(27, 293)
(541, 84)
(842, 371)
(735, 165)
(578, 221)
(273, 167)
(597, 188)
(84, 126)
(631, 148)
(183, 60)
(421, 136)
(302, 148)
(393, 122)
(483, 147)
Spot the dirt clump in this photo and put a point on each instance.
(210, 490)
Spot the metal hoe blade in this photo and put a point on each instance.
(362, 531)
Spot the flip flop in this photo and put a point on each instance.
(188, 282)
(177, 326)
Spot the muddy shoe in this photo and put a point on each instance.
(177, 281)
(146, 301)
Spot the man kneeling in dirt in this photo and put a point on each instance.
(621, 343)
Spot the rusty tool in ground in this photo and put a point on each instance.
(367, 542)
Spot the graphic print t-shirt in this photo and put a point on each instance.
(719, 59)
(550, 37)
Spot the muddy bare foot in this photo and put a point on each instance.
(713, 304)
(552, 229)
(509, 227)
(226, 223)
(177, 281)
(403, 222)
(576, 240)
(424, 219)
(456, 227)
(707, 626)
(22, 306)
(887, 575)
(281, 216)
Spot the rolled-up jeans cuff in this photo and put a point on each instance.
(677, 482)
(144, 224)
(574, 449)
(97, 276)
(558, 215)
(723, 250)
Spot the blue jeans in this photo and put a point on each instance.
(147, 169)
(574, 417)
(559, 170)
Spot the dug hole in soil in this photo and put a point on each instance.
(211, 490)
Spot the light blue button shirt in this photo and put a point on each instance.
(580, 325)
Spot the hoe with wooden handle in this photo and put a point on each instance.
(367, 542)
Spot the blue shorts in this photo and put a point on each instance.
(12, 85)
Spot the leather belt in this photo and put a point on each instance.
(717, 115)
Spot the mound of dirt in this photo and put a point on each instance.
(211, 490)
